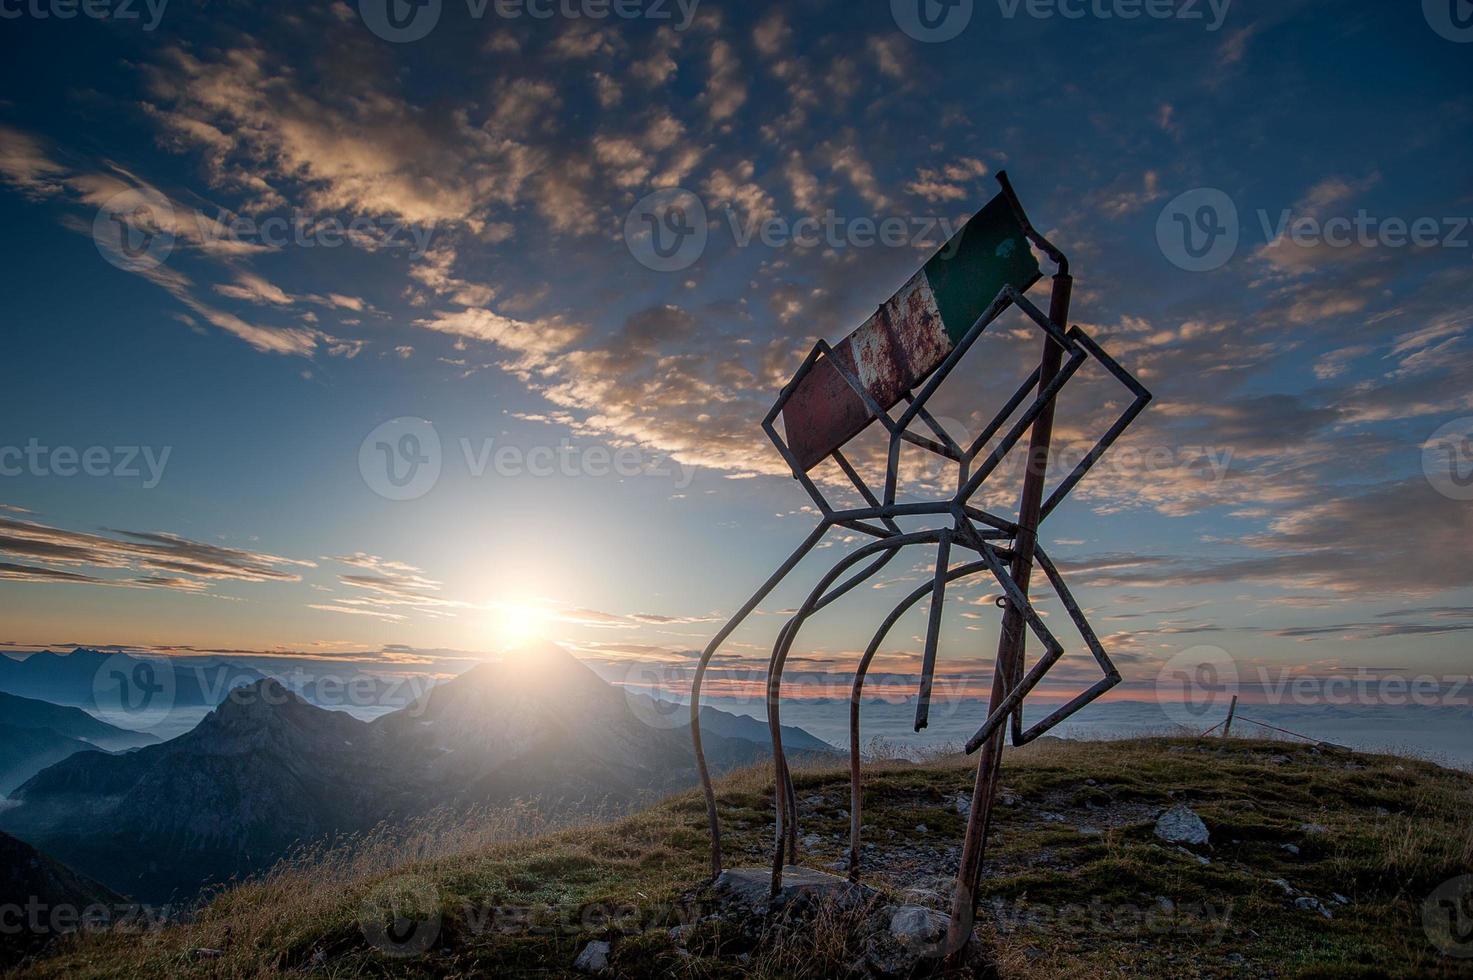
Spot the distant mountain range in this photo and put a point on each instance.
(267, 770)
(89, 678)
(35, 734)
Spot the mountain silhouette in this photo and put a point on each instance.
(267, 770)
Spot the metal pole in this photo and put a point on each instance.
(1227, 728)
(1011, 642)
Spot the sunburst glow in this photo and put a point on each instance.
(518, 623)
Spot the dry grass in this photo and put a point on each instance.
(1396, 828)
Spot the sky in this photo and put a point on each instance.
(332, 330)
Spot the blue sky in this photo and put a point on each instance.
(1274, 502)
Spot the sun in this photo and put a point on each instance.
(517, 624)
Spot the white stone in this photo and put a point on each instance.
(594, 958)
(1180, 825)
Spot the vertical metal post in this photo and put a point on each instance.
(1227, 728)
(1010, 647)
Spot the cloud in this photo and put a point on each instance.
(77, 557)
(726, 88)
(25, 165)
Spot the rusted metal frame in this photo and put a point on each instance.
(819, 500)
(994, 310)
(1003, 528)
(980, 516)
(1142, 399)
(1091, 640)
(953, 450)
(774, 677)
(933, 631)
(1003, 414)
(863, 528)
(856, 696)
(930, 444)
(1040, 404)
(1053, 650)
(1012, 638)
(695, 698)
(785, 773)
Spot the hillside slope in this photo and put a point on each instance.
(267, 771)
(37, 890)
(22, 712)
(1318, 864)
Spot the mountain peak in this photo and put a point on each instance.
(269, 706)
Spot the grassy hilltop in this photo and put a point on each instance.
(1318, 865)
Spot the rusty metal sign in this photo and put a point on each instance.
(905, 352)
(911, 333)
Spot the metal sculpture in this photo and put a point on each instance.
(903, 354)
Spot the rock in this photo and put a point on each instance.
(814, 801)
(748, 890)
(1284, 886)
(681, 934)
(1053, 817)
(1165, 904)
(1311, 904)
(912, 924)
(594, 958)
(915, 933)
(1339, 899)
(1091, 832)
(1292, 849)
(963, 804)
(1313, 828)
(921, 828)
(1181, 825)
(1235, 959)
(206, 954)
(811, 841)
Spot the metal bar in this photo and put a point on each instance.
(1111, 678)
(936, 427)
(780, 656)
(856, 695)
(1142, 399)
(1005, 413)
(695, 695)
(1011, 642)
(1017, 601)
(1227, 727)
(933, 632)
(1042, 406)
